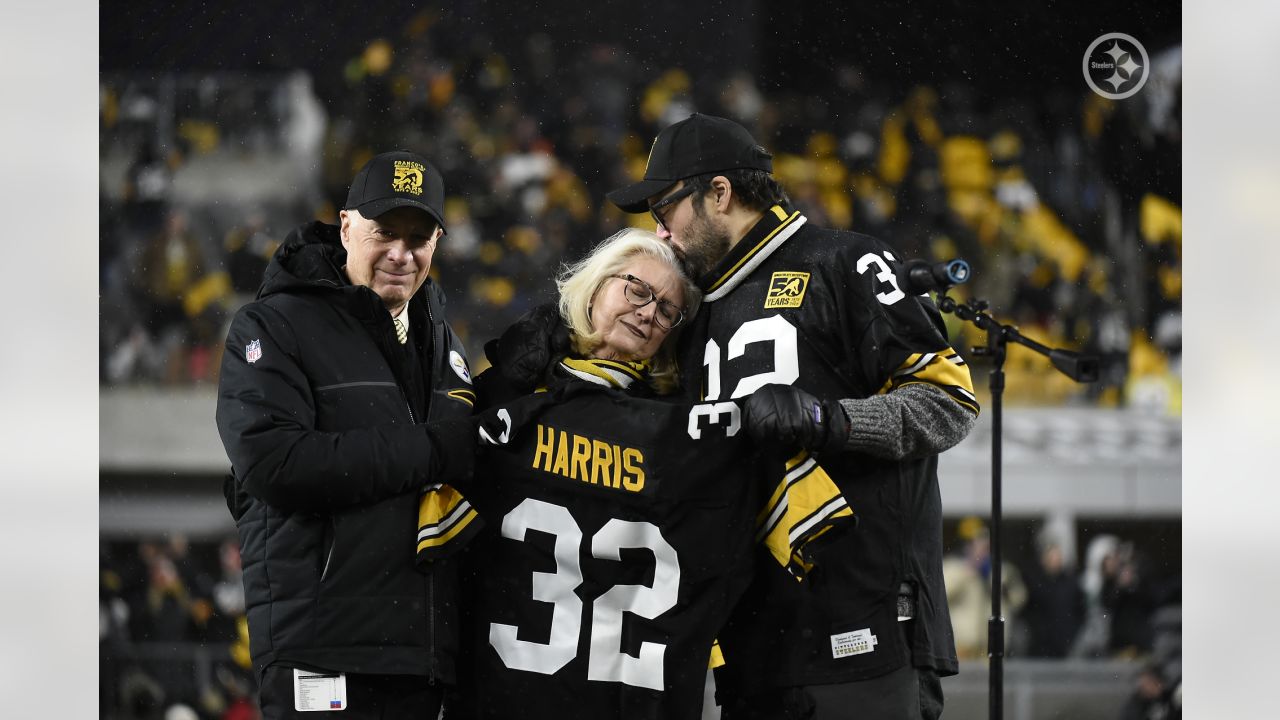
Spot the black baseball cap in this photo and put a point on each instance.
(696, 145)
(396, 179)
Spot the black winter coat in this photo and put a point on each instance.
(328, 459)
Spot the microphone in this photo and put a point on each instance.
(917, 277)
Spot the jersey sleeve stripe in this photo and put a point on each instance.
(717, 656)
(805, 504)
(923, 359)
(805, 528)
(450, 542)
(443, 526)
(778, 503)
(945, 370)
(446, 521)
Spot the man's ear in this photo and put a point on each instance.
(721, 193)
(344, 223)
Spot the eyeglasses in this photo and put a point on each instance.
(640, 293)
(656, 209)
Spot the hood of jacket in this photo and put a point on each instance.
(311, 257)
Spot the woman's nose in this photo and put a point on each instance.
(646, 311)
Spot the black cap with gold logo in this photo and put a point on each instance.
(396, 179)
(696, 145)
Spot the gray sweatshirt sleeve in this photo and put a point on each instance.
(913, 421)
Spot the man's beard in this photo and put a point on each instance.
(704, 245)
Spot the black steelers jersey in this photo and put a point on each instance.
(618, 534)
(822, 310)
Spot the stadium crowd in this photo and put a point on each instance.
(161, 594)
(1067, 206)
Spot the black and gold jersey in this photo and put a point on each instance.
(618, 534)
(822, 310)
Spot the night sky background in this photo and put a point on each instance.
(997, 47)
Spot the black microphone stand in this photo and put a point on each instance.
(1081, 368)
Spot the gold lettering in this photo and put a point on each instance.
(581, 456)
(546, 445)
(588, 459)
(601, 461)
(635, 481)
(562, 456)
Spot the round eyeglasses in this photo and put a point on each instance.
(640, 293)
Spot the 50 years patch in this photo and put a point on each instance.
(786, 290)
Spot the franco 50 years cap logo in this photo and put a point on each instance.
(408, 177)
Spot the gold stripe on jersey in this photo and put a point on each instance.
(717, 656)
(756, 250)
(465, 396)
(805, 504)
(945, 370)
(446, 521)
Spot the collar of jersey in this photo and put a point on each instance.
(610, 373)
(760, 242)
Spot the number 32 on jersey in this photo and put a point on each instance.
(606, 661)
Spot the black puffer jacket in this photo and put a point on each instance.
(328, 459)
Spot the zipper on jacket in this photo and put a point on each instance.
(436, 350)
(431, 576)
(333, 541)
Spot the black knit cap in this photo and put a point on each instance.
(696, 145)
(397, 179)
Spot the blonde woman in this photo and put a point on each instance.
(619, 525)
(621, 309)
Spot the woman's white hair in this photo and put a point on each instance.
(578, 283)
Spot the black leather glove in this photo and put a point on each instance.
(791, 417)
(528, 349)
(455, 443)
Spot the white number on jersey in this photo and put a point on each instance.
(883, 274)
(714, 411)
(786, 356)
(556, 588)
(606, 661)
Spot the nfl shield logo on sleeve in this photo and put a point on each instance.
(253, 351)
